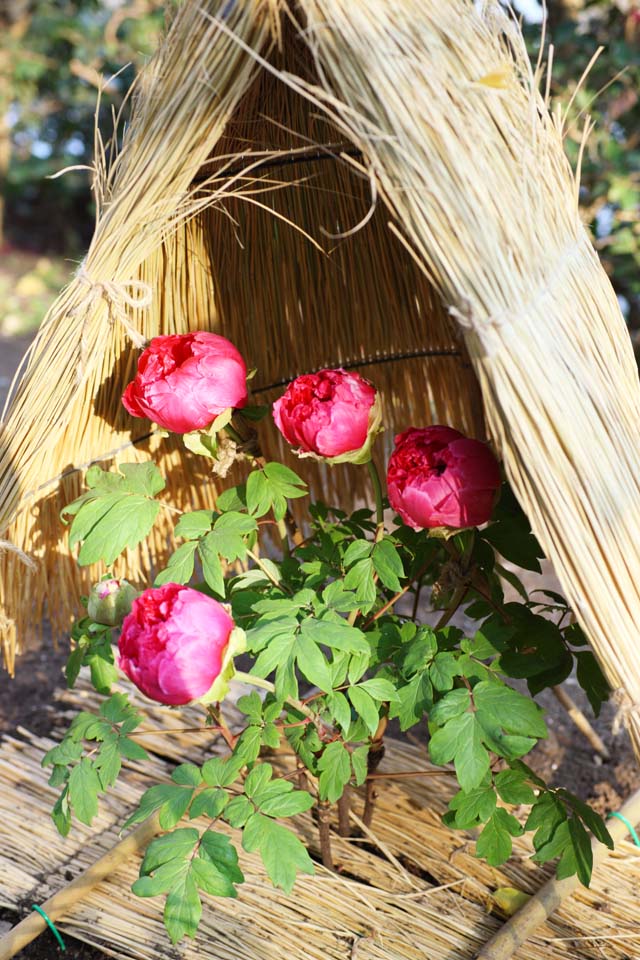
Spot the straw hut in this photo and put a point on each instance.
(365, 182)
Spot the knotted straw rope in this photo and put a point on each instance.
(627, 708)
(7, 547)
(561, 265)
(130, 293)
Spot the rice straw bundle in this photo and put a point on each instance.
(446, 184)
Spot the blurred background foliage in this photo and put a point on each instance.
(56, 54)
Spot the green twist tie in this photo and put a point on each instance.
(52, 925)
(630, 827)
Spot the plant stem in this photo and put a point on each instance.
(216, 714)
(374, 758)
(258, 562)
(344, 808)
(324, 833)
(377, 489)
(457, 599)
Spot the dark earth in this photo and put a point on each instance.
(565, 758)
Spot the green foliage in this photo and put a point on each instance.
(338, 659)
(116, 512)
(85, 772)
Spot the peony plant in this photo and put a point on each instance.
(350, 627)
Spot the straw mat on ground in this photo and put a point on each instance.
(413, 891)
(456, 217)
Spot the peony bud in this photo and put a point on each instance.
(177, 645)
(437, 477)
(332, 415)
(110, 601)
(187, 381)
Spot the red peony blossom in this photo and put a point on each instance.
(437, 477)
(184, 381)
(333, 415)
(177, 645)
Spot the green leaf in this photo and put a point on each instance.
(180, 566)
(142, 478)
(282, 852)
(279, 799)
(451, 705)
(358, 550)
(494, 843)
(221, 773)
(460, 740)
(415, 699)
(131, 750)
(443, 670)
(192, 526)
(61, 814)
(388, 565)
(311, 662)
(209, 802)
(359, 764)
(340, 709)
(238, 811)
(103, 672)
(258, 493)
(337, 634)
(234, 498)
(591, 679)
(509, 709)
(73, 665)
(183, 909)
(379, 689)
(210, 879)
(580, 861)
(513, 788)
(365, 707)
(248, 745)
(176, 845)
(119, 522)
(218, 848)
(229, 531)
(211, 566)
(473, 806)
(335, 771)
(258, 778)
(588, 815)
(187, 774)
(84, 787)
(360, 579)
(154, 798)
(108, 763)
(513, 539)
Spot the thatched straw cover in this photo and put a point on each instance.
(442, 151)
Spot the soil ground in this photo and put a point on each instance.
(26, 703)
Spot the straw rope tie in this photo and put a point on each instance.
(130, 293)
(627, 709)
(7, 547)
(466, 318)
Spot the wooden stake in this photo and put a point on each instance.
(519, 928)
(61, 903)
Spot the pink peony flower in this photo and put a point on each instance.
(185, 381)
(177, 645)
(437, 477)
(333, 415)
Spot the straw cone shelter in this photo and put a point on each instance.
(377, 183)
